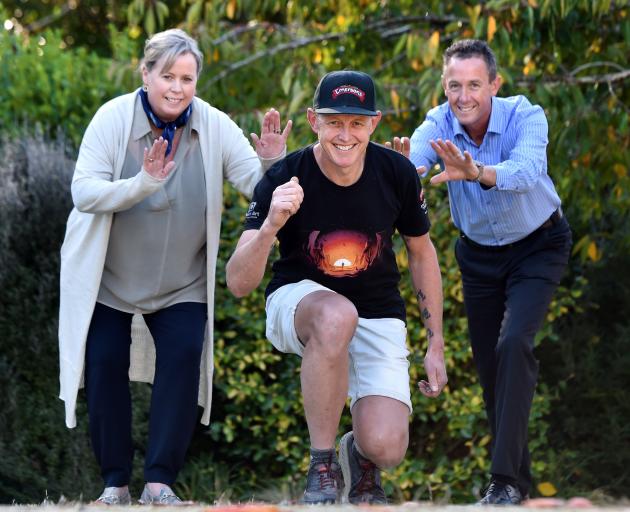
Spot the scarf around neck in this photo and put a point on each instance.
(168, 127)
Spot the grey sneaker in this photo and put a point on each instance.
(362, 477)
(113, 496)
(324, 482)
(166, 497)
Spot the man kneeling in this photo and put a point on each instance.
(333, 298)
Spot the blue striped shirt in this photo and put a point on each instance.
(515, 146)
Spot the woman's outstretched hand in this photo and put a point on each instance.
(273, 139)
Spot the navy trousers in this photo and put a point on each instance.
(178, 332)
(507, 292)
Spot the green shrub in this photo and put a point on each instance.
(40, 457)
(45, 85)
(257, 443)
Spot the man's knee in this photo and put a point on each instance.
(385, 447)
(326, 320)
(515, 345)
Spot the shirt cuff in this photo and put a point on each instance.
(149, 180)
(502, 177)
(268, 162)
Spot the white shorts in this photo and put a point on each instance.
(378, 349)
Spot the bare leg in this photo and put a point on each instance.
(325, 323)
(381, 429)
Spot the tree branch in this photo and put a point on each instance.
(243, 29)
(404, 22)
(572, 80)
(51, 18)
(297, 43)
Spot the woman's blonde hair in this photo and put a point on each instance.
(169, 45)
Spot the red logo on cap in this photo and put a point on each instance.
(348, 89)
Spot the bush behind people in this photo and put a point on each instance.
(255, 444)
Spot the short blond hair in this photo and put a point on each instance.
(169, 45)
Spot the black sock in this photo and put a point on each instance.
(328, 455)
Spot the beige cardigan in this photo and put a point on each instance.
(98, 193)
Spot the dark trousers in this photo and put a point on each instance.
(178, 332)
(507, 292)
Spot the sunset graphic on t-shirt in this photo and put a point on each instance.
(343, 253)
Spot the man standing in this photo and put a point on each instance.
(514, 241)
(333, 298)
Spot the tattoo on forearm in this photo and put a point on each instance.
(420, 296)
(426, 314)
(430, 333)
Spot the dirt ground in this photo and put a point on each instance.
(543, 503)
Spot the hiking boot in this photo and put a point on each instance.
(361, 476)
(166, 497)
(324, 482)
(499, 493)
(114, 496)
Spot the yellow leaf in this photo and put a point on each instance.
(416, 65)
(473, 14)
(547, 489)
(341, 20)
(484, 440)
(492, 27)
(620, 170)
(592, 251)
(216, 56)
(395, 99)
(317, 58)
(529, 67)
(532, 3)
(434, 40)
(230, 9)
(134, 32)
(596, 46)
(434, 100)
(431, 49)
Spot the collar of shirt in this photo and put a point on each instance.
(142, 127)
(496, 124)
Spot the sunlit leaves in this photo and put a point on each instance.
(150, 14)
(492, 28)
(547, 489)
(230, 9)
(542, 47)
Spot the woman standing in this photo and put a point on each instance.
(138, 261)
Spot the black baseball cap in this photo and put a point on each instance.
(345, 92)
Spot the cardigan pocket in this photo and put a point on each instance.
(158, 201)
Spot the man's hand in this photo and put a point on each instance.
(285, 202)
(402, 145)
(457, 166)
(436, 371)
(273, 139)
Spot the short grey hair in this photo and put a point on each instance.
(169, 45)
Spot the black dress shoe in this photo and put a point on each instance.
(499, 493)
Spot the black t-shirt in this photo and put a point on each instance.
(341, 237)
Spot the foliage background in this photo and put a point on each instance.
(59, 61)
